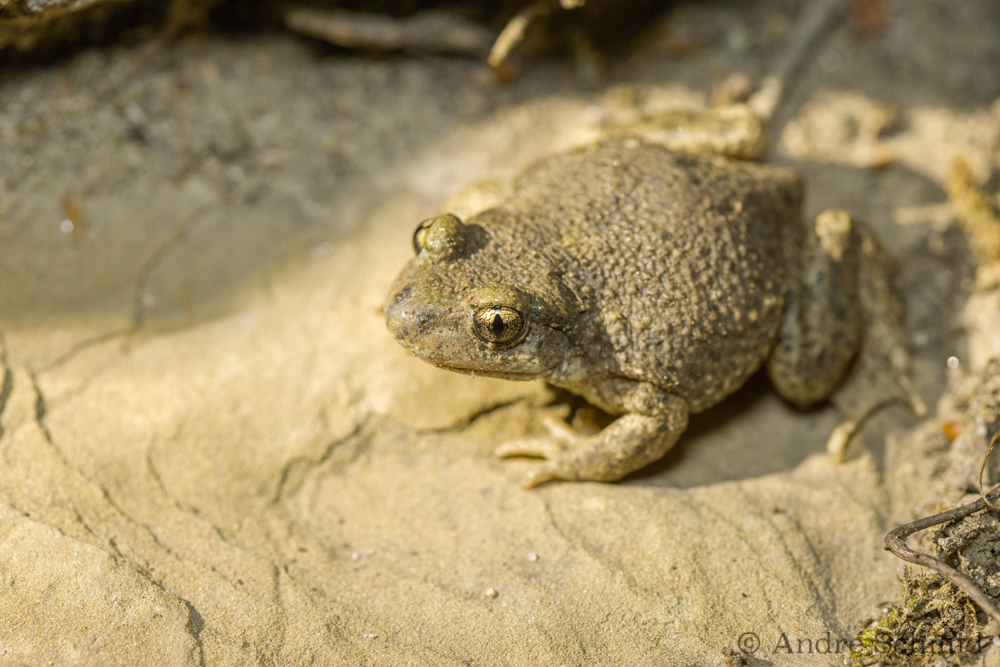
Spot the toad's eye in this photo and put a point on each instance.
(498, 324)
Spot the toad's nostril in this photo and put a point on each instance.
(396, 314)
(401, 296)
(402, 319)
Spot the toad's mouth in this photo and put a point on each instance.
(500, 374)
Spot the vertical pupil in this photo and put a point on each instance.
(497, 325)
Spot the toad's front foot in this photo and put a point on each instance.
(557, 450)
(630, 443)
(558, 460)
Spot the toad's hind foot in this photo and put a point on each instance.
(865, 391)
(881, 372)
(870, 386)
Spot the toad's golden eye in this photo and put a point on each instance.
(498, 324)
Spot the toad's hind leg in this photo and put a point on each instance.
(881, 372)
(823, 319)
(842, 305)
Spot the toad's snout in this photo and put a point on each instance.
(418, 326)
(403, 318)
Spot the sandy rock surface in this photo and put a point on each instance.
(212, 452)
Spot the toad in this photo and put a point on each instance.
(653, 283)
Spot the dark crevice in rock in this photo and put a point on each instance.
(281, 614)
(8, 380)
(765, 570)
(466, 422)
(607, 562)
(184, 508)
(41, 410)
(825, 600)
(194, 626)
(154, 261)
(299, 465)
(82, 346)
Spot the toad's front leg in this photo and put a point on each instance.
(654, 421)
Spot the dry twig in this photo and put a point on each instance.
(895, 542)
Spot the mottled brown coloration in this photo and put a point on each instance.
(651, 282)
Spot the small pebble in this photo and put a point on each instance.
(355, 556)
(491, 593)
(532, 556)
(952, 363)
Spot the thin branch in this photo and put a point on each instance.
(512, 34)
(895, 542)
(982, 469)
(816, 22)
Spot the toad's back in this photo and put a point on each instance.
(679, 260)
